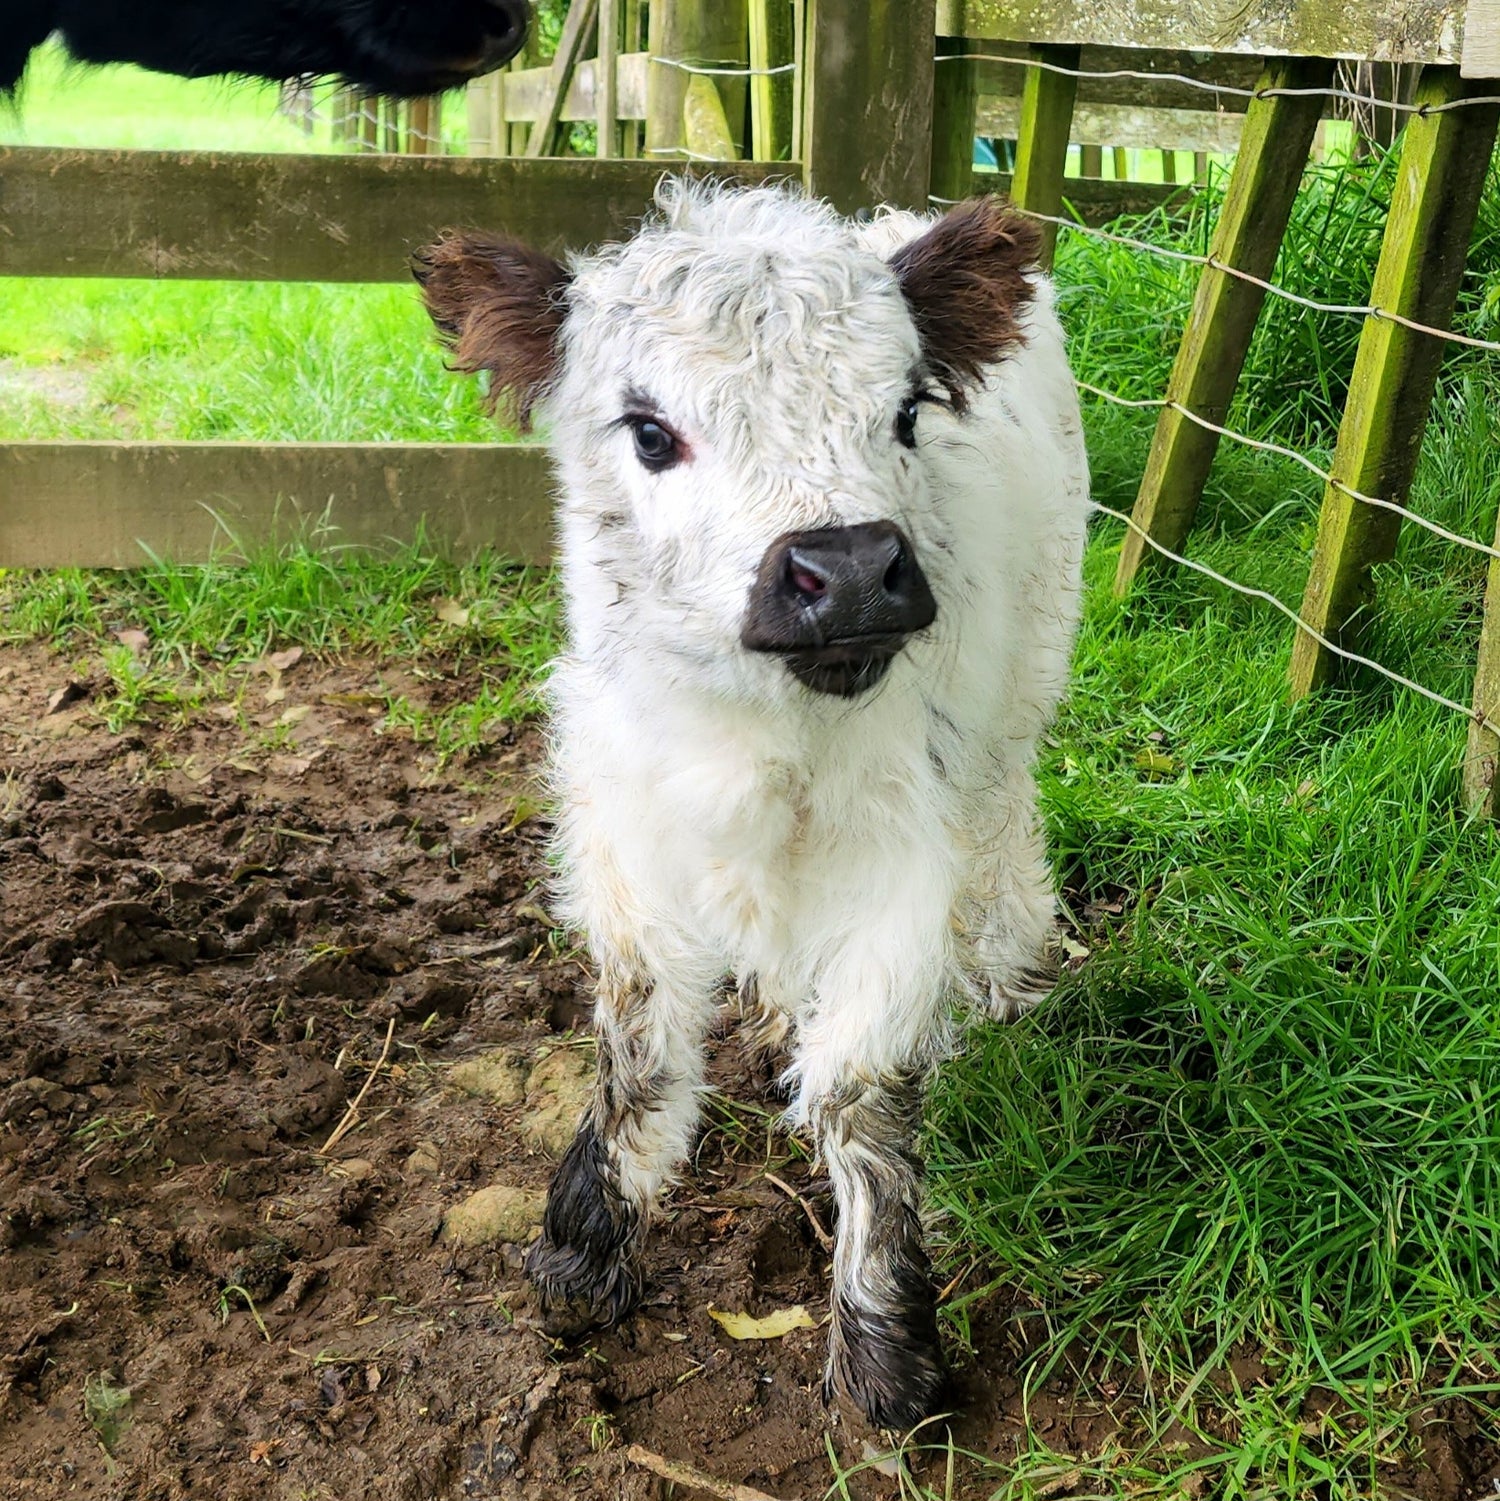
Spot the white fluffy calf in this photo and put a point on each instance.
(823, 500)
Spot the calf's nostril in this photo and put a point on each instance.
(805, 579)
(895, 574)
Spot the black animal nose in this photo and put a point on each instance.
(509, 27)
(840, 597)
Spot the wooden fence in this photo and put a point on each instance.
(870, 118)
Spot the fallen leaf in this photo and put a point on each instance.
(373, 1377)
(884, 1461)
(137, 640)
(451, 612)
(69, 693)
(773, 1326)
(295, 715)
(1155, 764)
(535, 913)
(260, 1452)
(283, 661)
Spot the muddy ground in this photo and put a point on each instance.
(214, 938)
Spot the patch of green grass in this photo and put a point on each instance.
(205, 628)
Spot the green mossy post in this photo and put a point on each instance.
(704, 127)
(705, 32)
(1274, 147)
(1482, 763)
(1444, 158)
(771, 46)
(867, 105)
(1042, 141)
(606, 87)
(955, 103)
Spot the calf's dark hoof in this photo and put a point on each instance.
(580, 1291)
(584, 1267)
(888, 1365)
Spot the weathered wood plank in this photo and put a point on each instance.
(103, 505)
(1420, 31)
(1006, 79)
(1257, 204)
(867, 110)
(706, 131)
(1042, 139)
(771, 46)
(1482, 762)
(578, 25)
(607, 89)
(300, 218)
(524, 90)
(1123, 125)
(1093, 200)
(701, 32)
(1481, 50)
(1444, 159)
(954, 108)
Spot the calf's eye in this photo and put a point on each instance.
(906, 423)
(655, 445)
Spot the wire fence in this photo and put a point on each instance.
(1350, 99)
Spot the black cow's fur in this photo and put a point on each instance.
(399, 48)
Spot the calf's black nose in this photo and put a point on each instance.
(838, 603)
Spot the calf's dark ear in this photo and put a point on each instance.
(965, 282)
(499, 306)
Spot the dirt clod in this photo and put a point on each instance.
(495, 1214)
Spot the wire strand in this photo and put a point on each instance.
(1263, 446)
(1212, 262)
(724, 70)
(1470, 712)
(1235, 91)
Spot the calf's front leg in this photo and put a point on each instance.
(639, 1125)
(883, 1346)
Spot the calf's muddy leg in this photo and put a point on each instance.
(883, 1347)
(637, 1128)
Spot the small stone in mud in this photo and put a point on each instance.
(556, 1093)
(425, 1161)
(498, 1076)
(495, 1215)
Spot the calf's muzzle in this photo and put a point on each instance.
(837, 604)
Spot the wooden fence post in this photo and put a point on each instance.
(771, 46)
(606, 81)
(1042, 139)
(1444, 158)
(575, 32)
(1482, 763)
(710, 32)
(1277, 136)
(955, 102)
(867, 106)
(705, 128)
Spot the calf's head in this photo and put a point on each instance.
(737, 398)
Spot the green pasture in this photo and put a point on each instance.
(1258, 1127)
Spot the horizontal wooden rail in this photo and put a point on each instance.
(522, 92)
(1418, 31)
(1120, 125)
(1168, 91)
(1095, 200)
(113, 505)
(243, 217)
